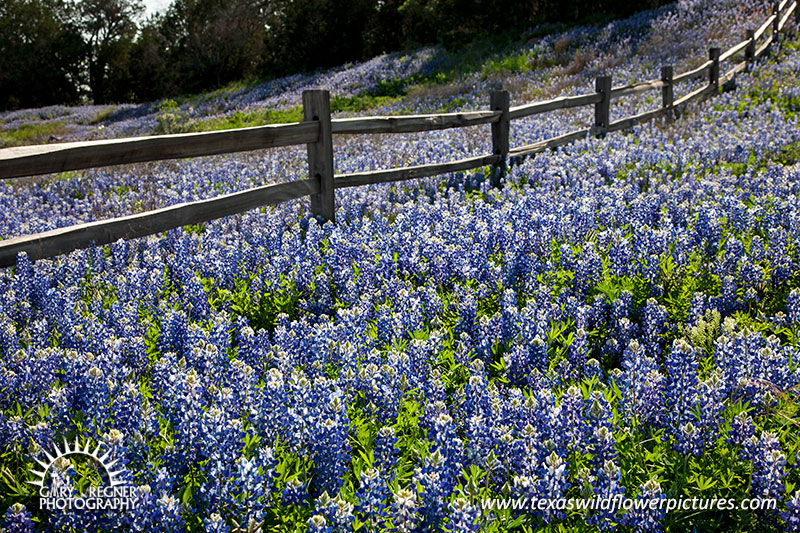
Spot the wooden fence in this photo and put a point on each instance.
(316, 132)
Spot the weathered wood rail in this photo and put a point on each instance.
(316, 132)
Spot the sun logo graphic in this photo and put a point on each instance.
(59, 494)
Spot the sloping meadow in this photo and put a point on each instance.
(618, 317)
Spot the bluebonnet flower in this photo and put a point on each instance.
(440, 470)
(18, 520)
(219, 441)
(598, 429)
(593, 370)
(553, 481)
(521, 361)
(174, 331)
(697, 310)
(185, 402)
(791, 516)
(318, 524)
(588, 269)
(654, 324)
(41, 435)
(549, 481)
(254, 482)
(793, 306)
(372, 495)
(742, 433)
(728, 301)
(701, 428)
(169, 517)
(9, 340)
(769, 467)
(63, 480)
(337, 512)
(93, 393)
(404, 511)
(647, 519)
(489, 334)
(253, 347)
(156, 507)
(463, 516)
(127, 408)
(642, 386)
(681, 391)
(196, 299)
(707, 231)
(578, 350)
(215, 524)
(749, 362)
(568, 418)
(384, 451)
(607, 485)
(479, 420)
(29, 375)
(620, 257)
(295, 492)
(329, 445)
(270, 411)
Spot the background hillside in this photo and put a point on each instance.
(103, 51)
(551, 61)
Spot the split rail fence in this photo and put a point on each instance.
(316, 132)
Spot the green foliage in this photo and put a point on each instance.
(41, 57)
(788, 155)
(359, 103)
(262, 309)
(241, 119)
(392, 88)
(517, 63)
(35, 133)
(170, 118)
(173, 118)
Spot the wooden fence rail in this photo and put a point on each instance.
(316, 132)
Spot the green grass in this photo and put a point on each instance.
(31, 133)
(255, 118)
(232, 87)
(360, 103)
(172, 119)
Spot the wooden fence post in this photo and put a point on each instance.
(776, 34)
(667, 93)
(317, 107)
(499, 101)
(750, 51)
(713, 71)
(602, 109)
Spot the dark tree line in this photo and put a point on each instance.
(67, 51)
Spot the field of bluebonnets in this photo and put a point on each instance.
(620, 316)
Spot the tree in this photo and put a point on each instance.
(212, 42)
(151, 75)
(109, 28)
(308, 34)
(40, 54)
